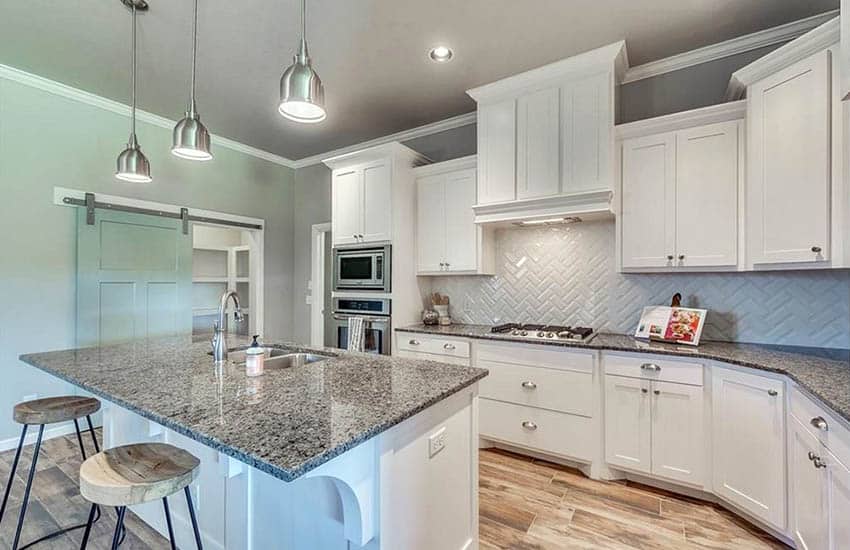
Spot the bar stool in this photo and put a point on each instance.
(40, 412)
(134, 474)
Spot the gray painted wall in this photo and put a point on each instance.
(46, 141)
(312, 205)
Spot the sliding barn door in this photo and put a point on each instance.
(134, 278)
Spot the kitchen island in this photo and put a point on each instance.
(351, 451)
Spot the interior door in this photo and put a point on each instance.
(649, 201)
(789, 167)
(627, 423)
(347, 206)
(678, 444)
(134, 278)
(377, 202)
(431, 224)
(707, 195)
(461, 231)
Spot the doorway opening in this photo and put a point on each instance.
(320, 284)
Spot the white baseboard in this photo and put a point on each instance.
(58, 430)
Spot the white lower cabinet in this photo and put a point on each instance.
(655, 428)
(749, 443)
(810, 517)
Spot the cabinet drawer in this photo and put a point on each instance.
(462, 361)
(552, 357)
(832, 434)
(559, 390)
(651, 367)
(547, 431)
(421, 343)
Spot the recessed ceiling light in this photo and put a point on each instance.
(440, 54)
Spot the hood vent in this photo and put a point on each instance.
(559, 209)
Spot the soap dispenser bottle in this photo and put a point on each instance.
(255, 357)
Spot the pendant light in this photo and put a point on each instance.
(191, 140)
(302, 96)
(133, 166)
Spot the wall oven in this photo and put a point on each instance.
(362, 268)
(376, 316)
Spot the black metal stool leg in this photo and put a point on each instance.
(194, 519)
(116, 537)
(86, 533)
(12, 472)
(23, 513)
(93, 436)
(168, 523)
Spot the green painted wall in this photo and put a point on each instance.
(49, 141)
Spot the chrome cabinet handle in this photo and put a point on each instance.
(414, 342)
(650, 366)
(644, 390)
(816, 249)
(442, 266)
(812, 455)
(670, 257)
(772, 393)
(529, 385)
(449, 346)
(656, 392)
(681, 257)
(818, 462)
(528, 425)
(820, 423)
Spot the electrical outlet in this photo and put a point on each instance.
(308, 299)
(436, 442)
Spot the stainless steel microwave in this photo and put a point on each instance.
(362, 268)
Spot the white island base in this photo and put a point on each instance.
(391, 492)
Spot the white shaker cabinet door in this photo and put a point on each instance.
(430, 224)
(347, 209)
(678, 442)
(810, 520)
(627, 423)
(586, 134)
(789, 163)
(749, 443)
(497, 152)
(377, 202)
(707, 195)
(462, 242)
(538, 151)
(839, 503)
(649, 201)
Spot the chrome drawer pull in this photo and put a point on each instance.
(820, 423)
(528, 425)
(772, 393)
(812, 455)
(529, 385)
(644, 390)
(819, 463)
(650, 366)
(414, 342)
(449, 346)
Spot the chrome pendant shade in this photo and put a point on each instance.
(132, 165)
(302, 96)
(190, 139)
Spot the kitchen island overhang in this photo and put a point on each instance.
(318, 456)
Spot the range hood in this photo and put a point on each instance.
(587, 205)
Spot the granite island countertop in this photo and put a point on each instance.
(822, 373)
(285, 422)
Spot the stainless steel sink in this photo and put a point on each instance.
(277, 358)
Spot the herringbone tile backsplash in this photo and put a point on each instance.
(567, 275)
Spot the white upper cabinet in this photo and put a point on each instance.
(370, 189)
(545, 139)
(648, 214)
(680, 191)
(749, 443)
(537, 153)
(789, 164)
(447, 239)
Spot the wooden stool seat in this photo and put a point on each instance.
(51, 410)
(133, 474)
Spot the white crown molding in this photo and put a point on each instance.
(610, 57)
(723, 112)
(377, 152)
(734, 46)
(817, 39)
(461, 163)
(88, 98)
(404, 135)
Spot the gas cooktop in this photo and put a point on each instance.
(545, 332)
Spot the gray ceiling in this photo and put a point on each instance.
(371, 54)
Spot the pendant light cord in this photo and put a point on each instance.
(194, 56)
(303, 52)
(133, 83)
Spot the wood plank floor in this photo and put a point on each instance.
(528, 504)
(525, 504)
